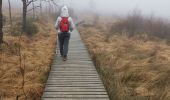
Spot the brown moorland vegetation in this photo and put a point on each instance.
(25, 63)
(131, 68)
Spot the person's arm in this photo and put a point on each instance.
(71, 24)
(57, 24)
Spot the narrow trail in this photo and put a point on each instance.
(75, 79)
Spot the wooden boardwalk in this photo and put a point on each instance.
(75, 79)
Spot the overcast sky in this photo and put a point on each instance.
(159, 8)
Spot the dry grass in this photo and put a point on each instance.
(37, 53)
(131, 69)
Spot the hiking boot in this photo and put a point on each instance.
(64, 58)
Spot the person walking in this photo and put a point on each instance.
(65, 26)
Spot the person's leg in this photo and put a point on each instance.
(58, 45)
(61, 43)
(66, 44)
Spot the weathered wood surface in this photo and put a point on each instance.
(75, 79)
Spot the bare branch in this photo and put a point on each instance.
(55, 3)
(33, 8)
(29, 2)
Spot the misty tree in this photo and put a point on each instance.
(50, 8)
(41, 8)
(1, 23)
(92, 5)
(26, 3)
(50, 5)
(33, 9)
(10, 16)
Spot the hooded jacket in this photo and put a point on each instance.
(64, 13)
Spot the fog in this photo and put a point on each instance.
(158, 8)
(122, 7)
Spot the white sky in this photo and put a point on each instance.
(159, 8)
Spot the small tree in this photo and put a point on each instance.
(92, 5)
(10, 15)
(1, 23)
(26, 3)
(41, 8)
(33, 10)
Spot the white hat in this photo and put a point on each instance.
(64, 12)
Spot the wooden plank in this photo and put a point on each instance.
(47, 89)
(74, 78)
(73, 72)
(75, 99)
(75, 61)
(61, 66)
(74, 88)
(75, 96)
(51, 76)
(87, 63)
(74, 85)
(75, 93)
(73, 81)
(73, 64)
(72, 69)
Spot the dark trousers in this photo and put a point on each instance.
(64, 43)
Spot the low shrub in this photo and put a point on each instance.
(31, 27)
(16, 29)
(137, 24)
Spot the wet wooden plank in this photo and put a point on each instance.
(74, 98)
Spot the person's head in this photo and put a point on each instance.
(64, 12)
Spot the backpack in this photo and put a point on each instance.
(64, 24)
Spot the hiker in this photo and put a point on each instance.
(65, 26)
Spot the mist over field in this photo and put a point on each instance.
(159, 8)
